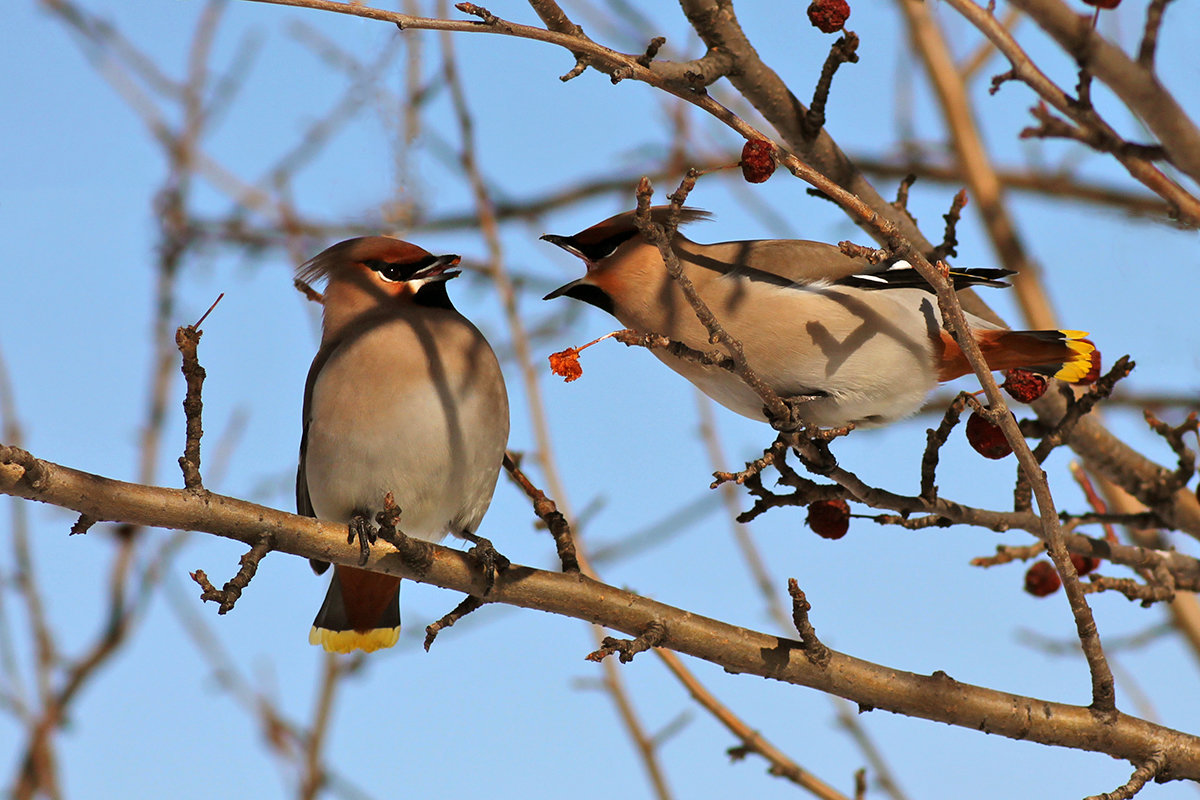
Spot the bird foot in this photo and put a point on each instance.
(361, 530)
(488, 559)
(416, 554)
(795, 420)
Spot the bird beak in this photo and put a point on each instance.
(565, 243)
(585, 292)
(564, 289)
(439, 270)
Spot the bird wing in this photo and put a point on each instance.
(784, 262)
(303, 502)
(791, 262)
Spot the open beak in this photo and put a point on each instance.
(565, 243)
(439, 270)
(564, 289)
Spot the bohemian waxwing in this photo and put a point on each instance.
(860, 343)
(404, 396)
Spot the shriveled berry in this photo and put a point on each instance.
(1103, 3)
(1024, 386)
(829, 519)
(986, 437)
(829, 15)
(565, 364)
(1084, 564)
(1041, 580)
(757, 162)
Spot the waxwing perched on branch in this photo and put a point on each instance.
(859, 343)
(404, 396)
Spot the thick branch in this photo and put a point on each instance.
(736, 649)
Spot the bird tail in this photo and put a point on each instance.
(1066, 355)
(361, 612)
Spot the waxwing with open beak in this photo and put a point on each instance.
(858, 343)
(406, 397)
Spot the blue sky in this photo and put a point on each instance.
(506, 697)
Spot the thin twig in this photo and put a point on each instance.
(843, 51)
(814, 651)
(1154, 17)
(187, 339)
(227, 596)
(548, 512)
(626, 649)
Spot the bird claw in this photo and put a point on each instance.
(489, 560)
(361, 530)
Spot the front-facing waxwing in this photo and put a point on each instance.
(858, 343)
(406, 397)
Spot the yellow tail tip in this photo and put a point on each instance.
(1084, 359)
(349, 641)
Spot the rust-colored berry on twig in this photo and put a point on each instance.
(1042, 579)
(829, 519)
(757, 162)
(1024, 386)
(1085, 564)
(828, 15)
(986, 437)
(565, 364)
(1103, 3)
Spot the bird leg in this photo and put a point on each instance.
(415, 553)
(361, 530)
(795, 404)
(490, 561)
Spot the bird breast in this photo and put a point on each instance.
(415, 406)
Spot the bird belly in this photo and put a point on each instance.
(385, 417)
(852, 361)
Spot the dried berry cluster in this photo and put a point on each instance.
(829, 15)
(829, 519)
(1042, 580)
(1024, 386)
(986, 437)
(758, 160)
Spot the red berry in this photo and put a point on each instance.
(565, 364)
(986, 437)
(1024, 386)
(829, 519)
(758, 161)
(1103, 3)
(1042, 579)
(829, 15)
(1084, 564)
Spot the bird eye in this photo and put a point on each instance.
(398, 271)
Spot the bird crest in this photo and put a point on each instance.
(361, 250)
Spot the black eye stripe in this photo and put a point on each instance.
(398, 271)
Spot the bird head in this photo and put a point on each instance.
(603, 248)
(391, 267)
(375, 272)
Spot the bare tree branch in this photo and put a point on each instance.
(937, 697)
